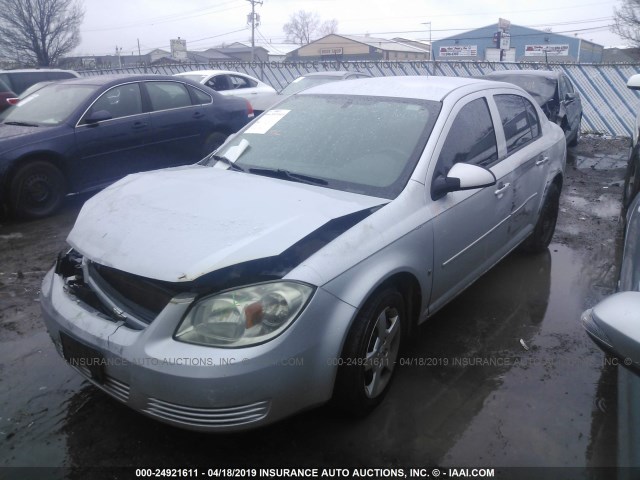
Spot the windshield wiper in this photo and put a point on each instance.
(287, 175)
(223, 159)
(22, 124)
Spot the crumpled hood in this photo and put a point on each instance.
(178, 224)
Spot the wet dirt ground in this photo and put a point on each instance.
(502, 377)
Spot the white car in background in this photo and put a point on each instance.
(238, 84)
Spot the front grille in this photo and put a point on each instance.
(142, 297)
(207, 417)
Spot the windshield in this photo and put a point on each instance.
(542, 89)
(302, 83)
(50, 105)
(367, 145)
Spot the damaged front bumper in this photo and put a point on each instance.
(193, 386)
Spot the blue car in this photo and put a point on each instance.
(82, 134)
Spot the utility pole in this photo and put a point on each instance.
(118, 50)
(254, 19)
(430, 43)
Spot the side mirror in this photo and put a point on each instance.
(462, 176)
(634, 82)
(99, 116)
(614, 324)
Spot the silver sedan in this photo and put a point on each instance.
(287, 268)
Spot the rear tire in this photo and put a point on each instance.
(370, 353)
(576, 138)
(542, 233)
(36, 190)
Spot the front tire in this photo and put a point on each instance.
(542, 233)
(370, 353)
(36, 190)
(631, 180)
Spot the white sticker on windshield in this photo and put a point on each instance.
(265, 121)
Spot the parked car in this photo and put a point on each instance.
(554, 93)
(309, 80)
(234, 83)
(20, 80)
(286, 268)
(613, 324)
(632, 176)
(5, 94)
(78, 135)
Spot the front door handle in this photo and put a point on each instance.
(139, 125)
(542, 160)
(502, 187)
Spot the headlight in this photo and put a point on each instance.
(245, 316)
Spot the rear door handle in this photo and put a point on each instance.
(501, 189)
(139, 125)
(198, 115)
(542, 160)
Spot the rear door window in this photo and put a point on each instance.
(517, 121)
(241, 82)
(168, 95)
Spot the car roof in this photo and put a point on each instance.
(525, 73)
(116, 78)
(339, 73)
(212, 72)
(31, 70)
(434, 88)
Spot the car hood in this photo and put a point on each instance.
(13, 137)
(178, 224)
(10, 131)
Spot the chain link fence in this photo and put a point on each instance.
(609, 107)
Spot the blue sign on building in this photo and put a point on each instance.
(519, 44)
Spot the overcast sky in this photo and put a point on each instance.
(208, 23)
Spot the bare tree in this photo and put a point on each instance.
(328, 27)
(39, 32)
(627, 21)
(304, 26)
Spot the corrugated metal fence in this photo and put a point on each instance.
(609, 107)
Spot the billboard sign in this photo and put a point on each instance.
(458, 51)
(553, 50)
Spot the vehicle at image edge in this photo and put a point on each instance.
(19, 80)
(78, 135)
(238, 84)
(297, 256)
(554, 92)
(632, 175)
(613, 324)
(33, 88)
(309, 80)
(5, 94)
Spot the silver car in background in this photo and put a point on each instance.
(286, 269)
